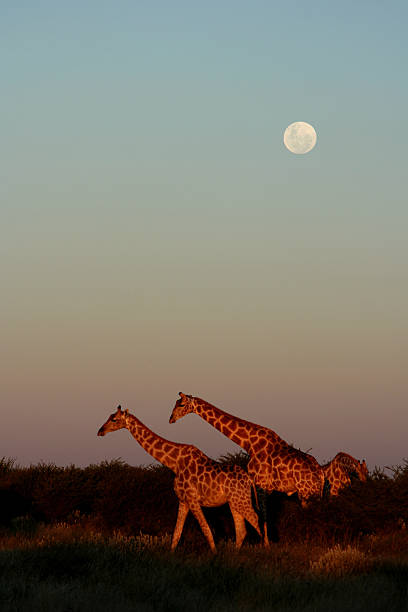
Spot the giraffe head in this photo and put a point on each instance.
(362, 470)
(183, 406)
(117, 420)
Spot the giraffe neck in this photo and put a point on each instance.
(236, 429)
(165, 451)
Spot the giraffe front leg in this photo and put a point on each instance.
(240, 529)
(181, 518)
(205, 528)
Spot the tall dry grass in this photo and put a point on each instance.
(65, 567)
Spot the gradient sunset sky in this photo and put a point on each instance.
(157, 237)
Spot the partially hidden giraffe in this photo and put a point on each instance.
(274, 465)
(341, 469)
(200, 481)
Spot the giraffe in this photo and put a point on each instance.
(274, 465)
(340, 470)
(200, 481)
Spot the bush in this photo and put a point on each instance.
(114, 495)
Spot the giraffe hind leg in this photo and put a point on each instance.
(245, 508)
(205, 528)
(262, 497)
(181, 518)
(252, 518)
(240, 529)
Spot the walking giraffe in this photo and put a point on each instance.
(274, 465)
(200, 481)
(341, 469)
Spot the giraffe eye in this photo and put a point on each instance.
(114, 420)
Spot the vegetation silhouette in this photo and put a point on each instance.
(113, 496)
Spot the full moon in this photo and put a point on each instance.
(299, 137)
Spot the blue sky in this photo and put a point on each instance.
(156, 235)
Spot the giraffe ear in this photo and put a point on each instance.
(119, 409)
(126, 411)
(181, 394)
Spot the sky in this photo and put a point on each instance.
(156, 236)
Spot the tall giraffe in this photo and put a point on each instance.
(200, 481)
(274, 464)
(341, 469)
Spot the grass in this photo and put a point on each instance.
(63, 568)
(67, 544)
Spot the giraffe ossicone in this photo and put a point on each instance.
(200, 481)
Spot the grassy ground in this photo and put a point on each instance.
(69, 568)
(67, 545)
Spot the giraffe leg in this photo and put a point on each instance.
(181, 517)
(245, 509)
(198, 513)
(240, 529)
(252, 518)
(262, 497)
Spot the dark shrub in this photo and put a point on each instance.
(114, 495)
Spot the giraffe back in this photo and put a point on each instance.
(276, 465)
